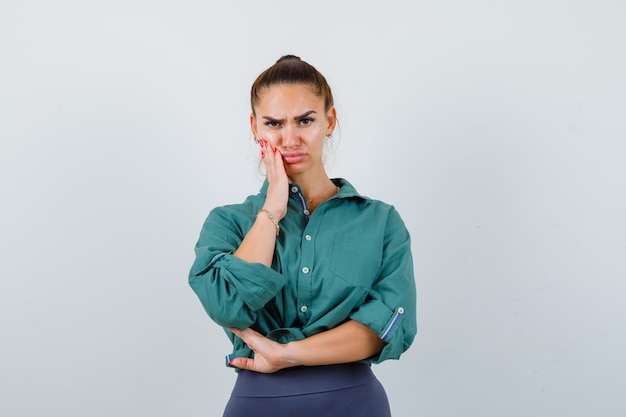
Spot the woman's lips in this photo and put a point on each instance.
(293, 157)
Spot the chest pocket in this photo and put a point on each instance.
(356, 261)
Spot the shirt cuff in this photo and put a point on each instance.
(255, 283)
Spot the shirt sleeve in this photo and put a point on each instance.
(390, 306)
(231, 290)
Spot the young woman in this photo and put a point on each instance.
(312, 281)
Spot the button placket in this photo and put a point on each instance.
(307, 264)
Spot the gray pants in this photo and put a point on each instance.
(349, 390)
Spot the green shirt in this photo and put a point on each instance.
(349, 259)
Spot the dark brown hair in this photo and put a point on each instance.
(290, 69)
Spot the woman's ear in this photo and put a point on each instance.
(253, 124)
(331, 116)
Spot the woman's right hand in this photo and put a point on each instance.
(278, 188)
(259, 243)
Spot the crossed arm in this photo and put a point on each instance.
(348, 342)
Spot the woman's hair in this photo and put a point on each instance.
(290, 69)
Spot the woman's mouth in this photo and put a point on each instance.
(293, 157)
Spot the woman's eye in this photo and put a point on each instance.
(306, 121)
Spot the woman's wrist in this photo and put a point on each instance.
(289, 357)
(270, 216)
(277, 211)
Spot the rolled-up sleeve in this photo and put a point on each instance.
(390, 306)
(230, 289)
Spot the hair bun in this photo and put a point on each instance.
(286, 57)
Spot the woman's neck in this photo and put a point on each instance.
(316, 189)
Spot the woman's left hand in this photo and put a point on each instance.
(268, 354)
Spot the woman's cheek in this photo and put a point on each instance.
(272, 138)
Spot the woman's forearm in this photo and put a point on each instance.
(348, 342)
(258, 245)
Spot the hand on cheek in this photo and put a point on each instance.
(278, 189)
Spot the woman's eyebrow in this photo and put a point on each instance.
(304, 115)
(272, 119)
(300, 117)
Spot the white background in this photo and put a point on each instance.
(498, 130)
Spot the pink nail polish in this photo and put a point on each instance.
(262, 154)
(275, 150)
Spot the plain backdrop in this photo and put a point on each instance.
(496, 128)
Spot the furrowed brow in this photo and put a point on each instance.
(304, 115)
(272, 119)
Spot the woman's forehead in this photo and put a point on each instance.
(289, 95)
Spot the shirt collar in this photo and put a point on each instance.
(346, 189)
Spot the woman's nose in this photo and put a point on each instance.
(290, 137)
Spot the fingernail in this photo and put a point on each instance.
(263, 143)
(275, 150)
(262, 154)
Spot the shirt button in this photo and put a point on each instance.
(307, 237)
(305, 270)
(294, 189)
(306, 212)
(400, 310)
(304, 309)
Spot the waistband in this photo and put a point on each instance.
(302, 380)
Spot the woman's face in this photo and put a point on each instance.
(293, 120)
